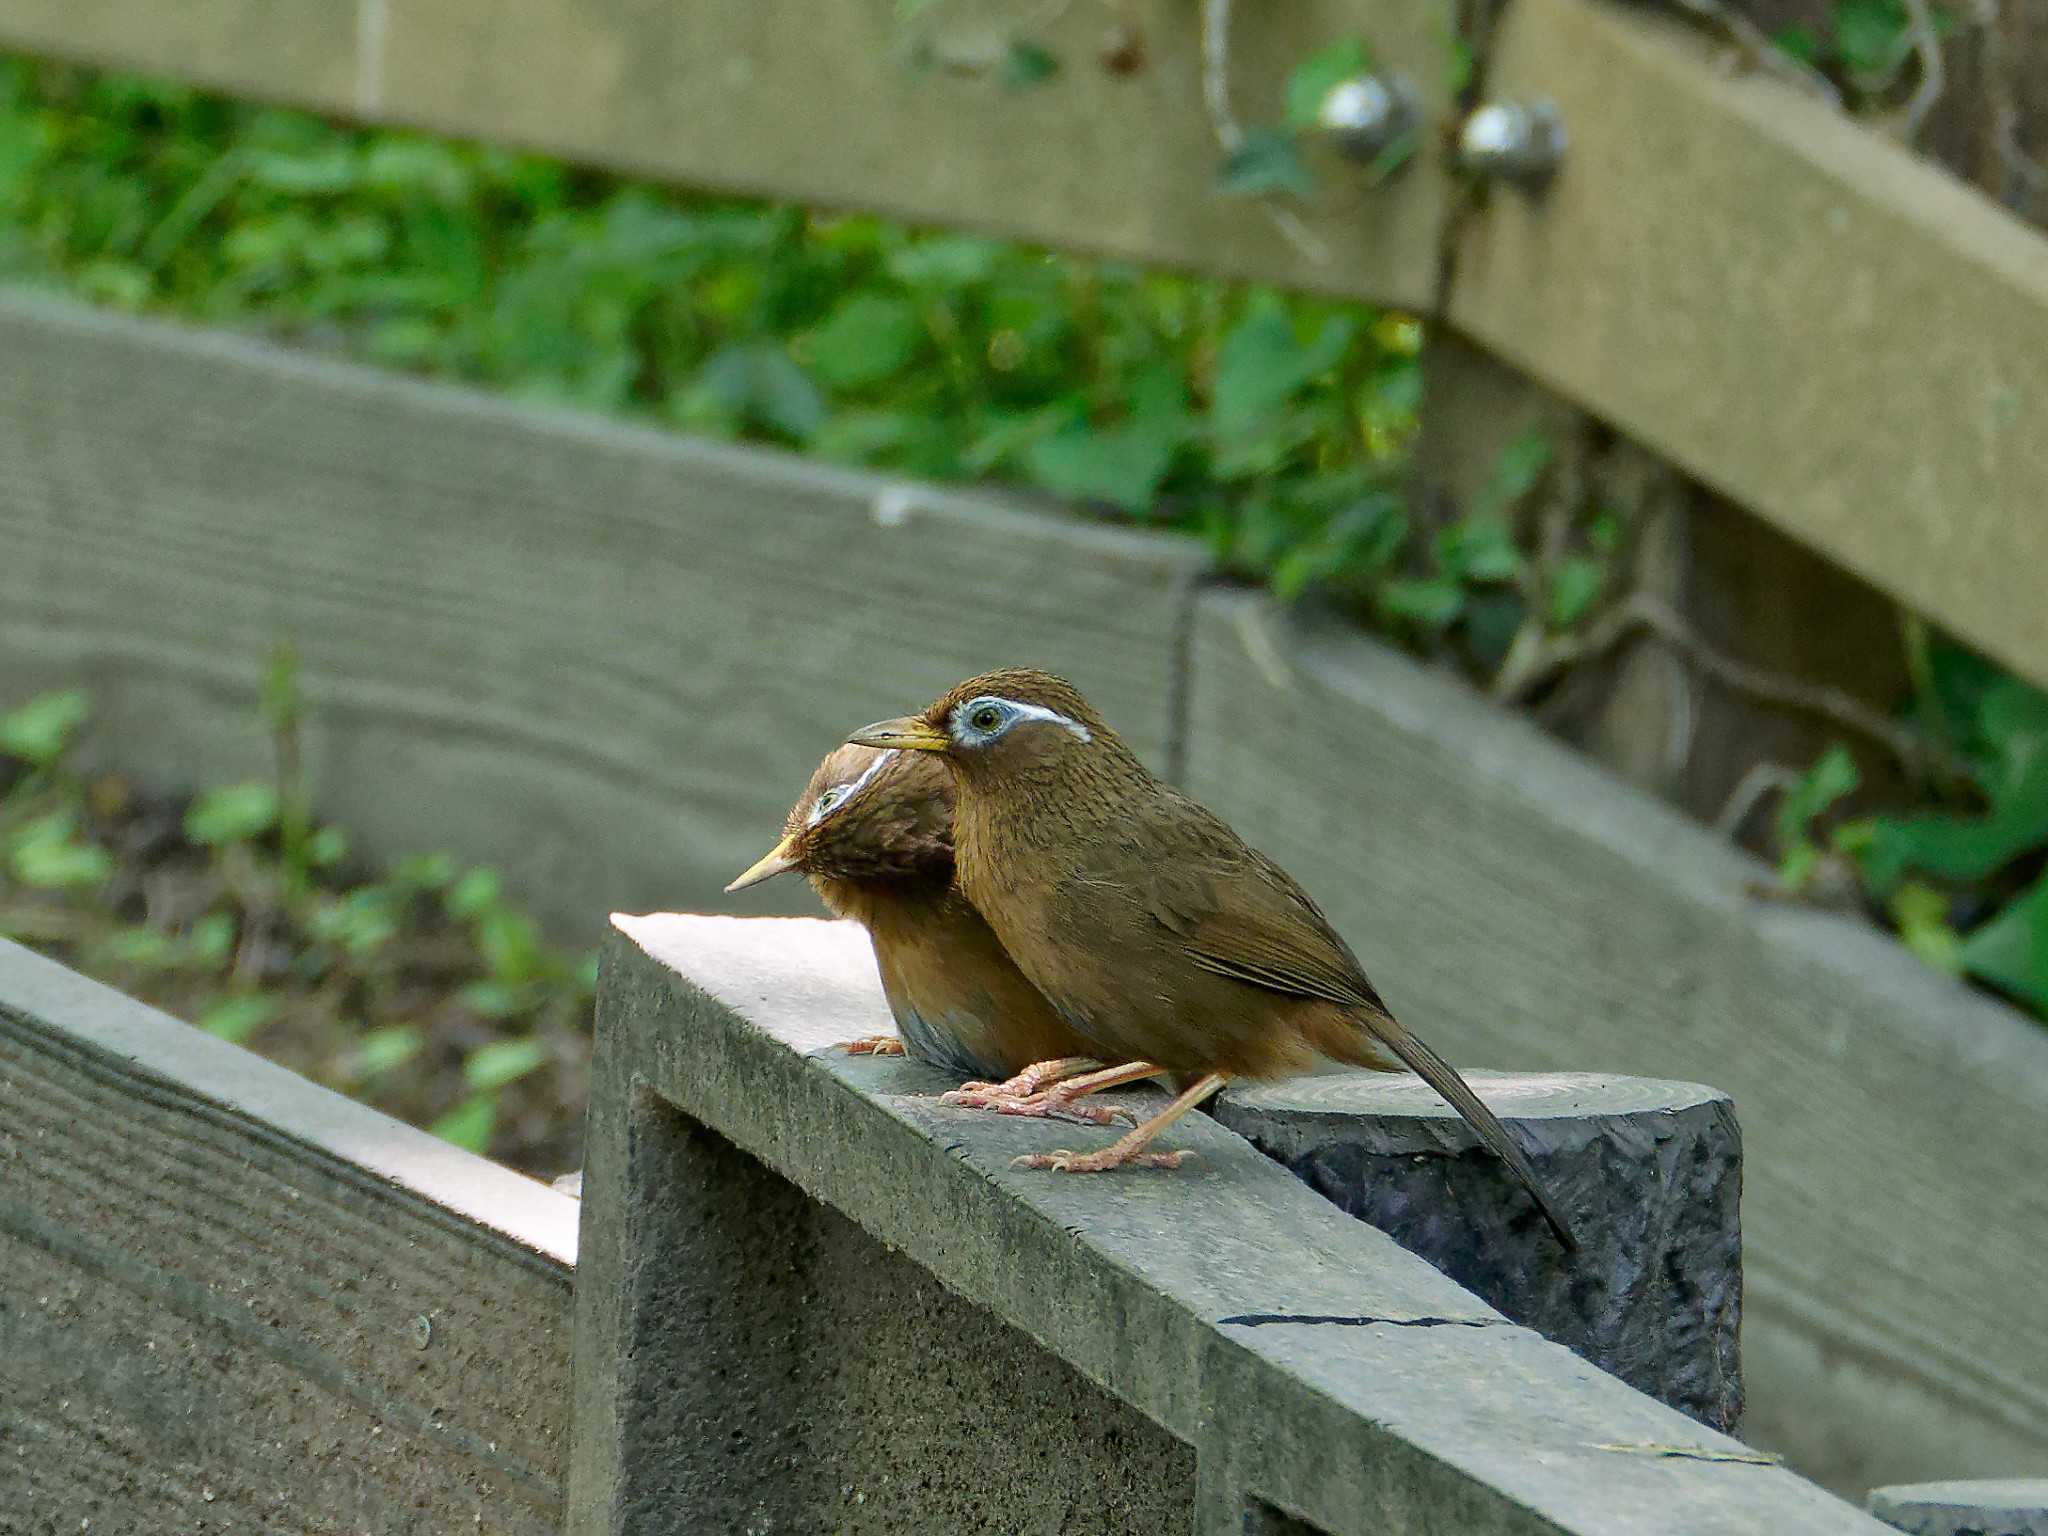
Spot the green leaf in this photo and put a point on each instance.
(2011, 951)
(1026, 64)
(1320, 73)
(1265, 161)
(235, 1019)
(141, 947)
(1573, 586)
(469, 1124)
(1478, 549)
(211, 941)
(383, 1050)
(1430, 605)
(430, 872)
(1961, 847)
(1921, 913)
(1521, 465)
(327, 847)
(1123, 465)
(1870, 34)
(495, 999)
(1461, 63)
(501, 1062)
(945, 262)
(870, 337)
(1261, 363)
(1798, 42)
(47, 855)
(40, 730)
(475, 893)
(759, 383)
(233, 814)
(1828, 780)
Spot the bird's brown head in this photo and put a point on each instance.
(867, 815)
(1018, 722)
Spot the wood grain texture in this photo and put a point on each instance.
(605, 658)
(212, 1321)
(1823, 327)
(1523, 910)
(855, 104)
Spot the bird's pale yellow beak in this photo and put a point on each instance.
(778, 860)
(906, 731)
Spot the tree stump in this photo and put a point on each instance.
(2001, 1506)
(1649, 1172)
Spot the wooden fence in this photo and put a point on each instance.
(576, 671)
(235, 1301)
(604, 657)
(1830, 331)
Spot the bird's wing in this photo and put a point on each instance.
(1238, 914)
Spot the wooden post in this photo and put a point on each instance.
(1650, 1173)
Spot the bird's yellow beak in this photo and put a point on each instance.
(776, 861)
(906, 731)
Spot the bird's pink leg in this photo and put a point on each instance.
(1129, 1151)
(1026, 1093)
(872, 1045)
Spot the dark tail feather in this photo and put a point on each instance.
(1443, 1077)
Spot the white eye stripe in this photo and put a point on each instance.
(820, 810)
(1029, 712)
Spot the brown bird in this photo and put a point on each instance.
(873, 831)
(1156, 932)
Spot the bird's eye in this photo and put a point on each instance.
(828, 799)
(986, 718)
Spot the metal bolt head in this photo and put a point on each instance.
(1513, 140)
(1367, 115)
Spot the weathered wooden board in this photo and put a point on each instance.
(1819, 325)
(1523, 910)
(306, 52)
(862, 104)
(235, 1301)
(606, 658)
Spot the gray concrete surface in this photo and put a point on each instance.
(1524, 910)
(1993, 1506)
(1649, 1171)
(1317, 1373)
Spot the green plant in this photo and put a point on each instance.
(250, 922)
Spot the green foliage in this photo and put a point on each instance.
(1272, 427)
(1967, 887)
(1829, 780)
(350, 976)
(234, 813)
(1864, 45)
(40, 730)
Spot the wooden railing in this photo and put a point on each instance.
(1806, 317)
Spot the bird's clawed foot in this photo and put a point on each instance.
(873, 1045)
(1101, 1161)
(1050, 1105)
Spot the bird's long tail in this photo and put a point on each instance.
(1444, 1078)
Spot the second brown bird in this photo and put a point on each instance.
(873, 831)
(1155, 931)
